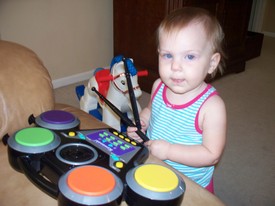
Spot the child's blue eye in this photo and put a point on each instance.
(189, 57)
(168, 56)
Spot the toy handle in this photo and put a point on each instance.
(110, 77)
(46, 186)
(105, 79)
(31, 119)
(142, 73)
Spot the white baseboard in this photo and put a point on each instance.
(270, 34)
(72, 79)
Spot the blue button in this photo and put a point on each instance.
(81, 136)
(114, 157)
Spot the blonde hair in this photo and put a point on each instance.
(180, 18)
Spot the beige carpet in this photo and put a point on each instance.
(246, 173)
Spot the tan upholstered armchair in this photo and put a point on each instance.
(25, 89)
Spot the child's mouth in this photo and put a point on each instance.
(177, 81)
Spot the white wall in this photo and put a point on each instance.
(70, 36)
(262, 17)
(268, 27)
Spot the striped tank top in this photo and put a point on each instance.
(178, 124)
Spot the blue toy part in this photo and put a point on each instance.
(116, 59)
(97, 113)
(132, 69)
(79, 90)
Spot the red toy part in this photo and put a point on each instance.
(103, 78)
(103, 86)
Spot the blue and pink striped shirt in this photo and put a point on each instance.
(178, 124)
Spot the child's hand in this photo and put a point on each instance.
(131, 132)
(159, 148)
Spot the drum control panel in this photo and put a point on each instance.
(116, 145)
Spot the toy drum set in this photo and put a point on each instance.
(89, 167)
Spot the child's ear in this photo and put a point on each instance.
(215, 59)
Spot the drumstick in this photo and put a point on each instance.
(132, 94)
(125, 119)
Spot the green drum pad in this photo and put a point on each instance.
(34, 137)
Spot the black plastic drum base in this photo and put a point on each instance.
(63, 201)
(14, 156)
(13, 159)
(134, 199)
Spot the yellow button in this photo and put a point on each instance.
(119, 165)
(134, 143)
(71, 134)
(156, 178)
(121, 136)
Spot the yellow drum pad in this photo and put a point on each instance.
(156, 178)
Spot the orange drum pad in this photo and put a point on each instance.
(90, 185)
(93, 181)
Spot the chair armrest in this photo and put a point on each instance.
(25, 87)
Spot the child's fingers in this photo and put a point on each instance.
(148, 143)
(131, 129)
(142, 124)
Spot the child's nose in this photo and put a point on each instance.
(176, 65)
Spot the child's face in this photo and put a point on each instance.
(185, 58)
